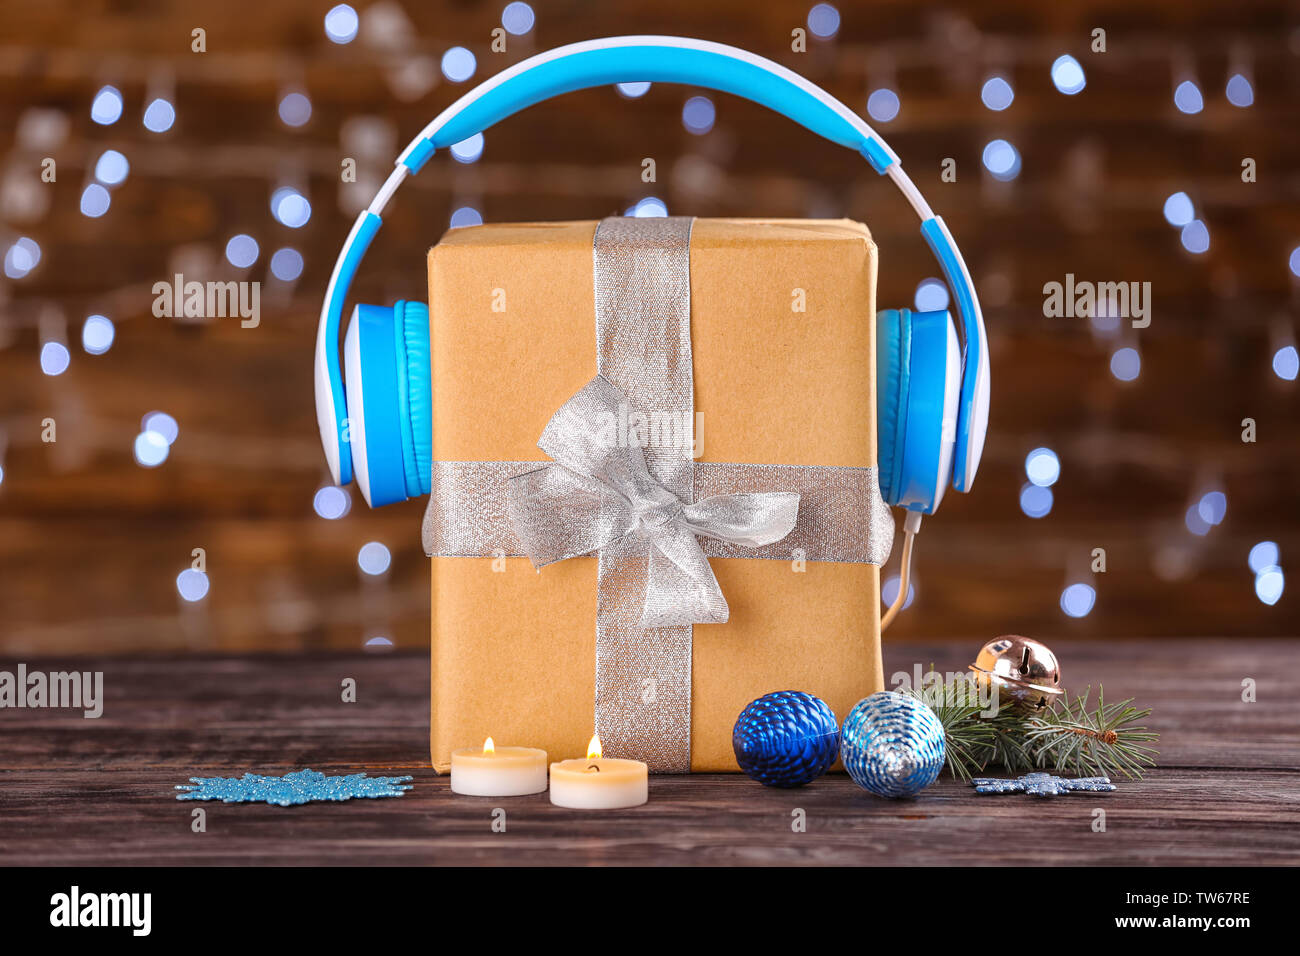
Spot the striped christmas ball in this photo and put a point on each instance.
(892, 744)
(786, 739)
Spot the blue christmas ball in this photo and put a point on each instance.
(786, 739)
(892, 744)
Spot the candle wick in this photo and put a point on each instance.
(593, 767)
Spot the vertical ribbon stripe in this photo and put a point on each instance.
(641, 269)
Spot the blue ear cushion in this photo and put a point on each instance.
(893, 362)
(417, 395)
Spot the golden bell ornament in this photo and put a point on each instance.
(1023, 669)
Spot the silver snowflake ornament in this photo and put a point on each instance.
(1041, 784)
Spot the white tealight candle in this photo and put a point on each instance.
(599, 783)
(498, 771)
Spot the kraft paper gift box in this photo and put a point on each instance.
(782, 338)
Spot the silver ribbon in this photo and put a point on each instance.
(642, 271)
(636, 507)
(599, 494)
(841, 518)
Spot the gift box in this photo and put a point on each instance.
(764, 331)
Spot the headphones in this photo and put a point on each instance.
(932, 391)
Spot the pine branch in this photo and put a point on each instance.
(1101, 742)
(1012, 750)
(1104, 741)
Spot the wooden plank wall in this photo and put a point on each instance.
(90, 543)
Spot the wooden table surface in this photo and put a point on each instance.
(76, 791)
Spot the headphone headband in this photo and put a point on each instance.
(656, 59)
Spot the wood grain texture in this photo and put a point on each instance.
(83, 792)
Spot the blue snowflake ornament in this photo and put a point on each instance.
(303, 786)
(1041, 784)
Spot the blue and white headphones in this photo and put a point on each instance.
(933, 393)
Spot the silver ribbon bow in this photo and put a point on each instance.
(598, 492)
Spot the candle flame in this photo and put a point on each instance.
(593, 748)
(489, 747)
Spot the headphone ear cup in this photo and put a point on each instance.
(372, 353)
(919, 370)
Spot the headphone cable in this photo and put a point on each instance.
(911, 525)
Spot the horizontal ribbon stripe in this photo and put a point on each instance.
(841, 514)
